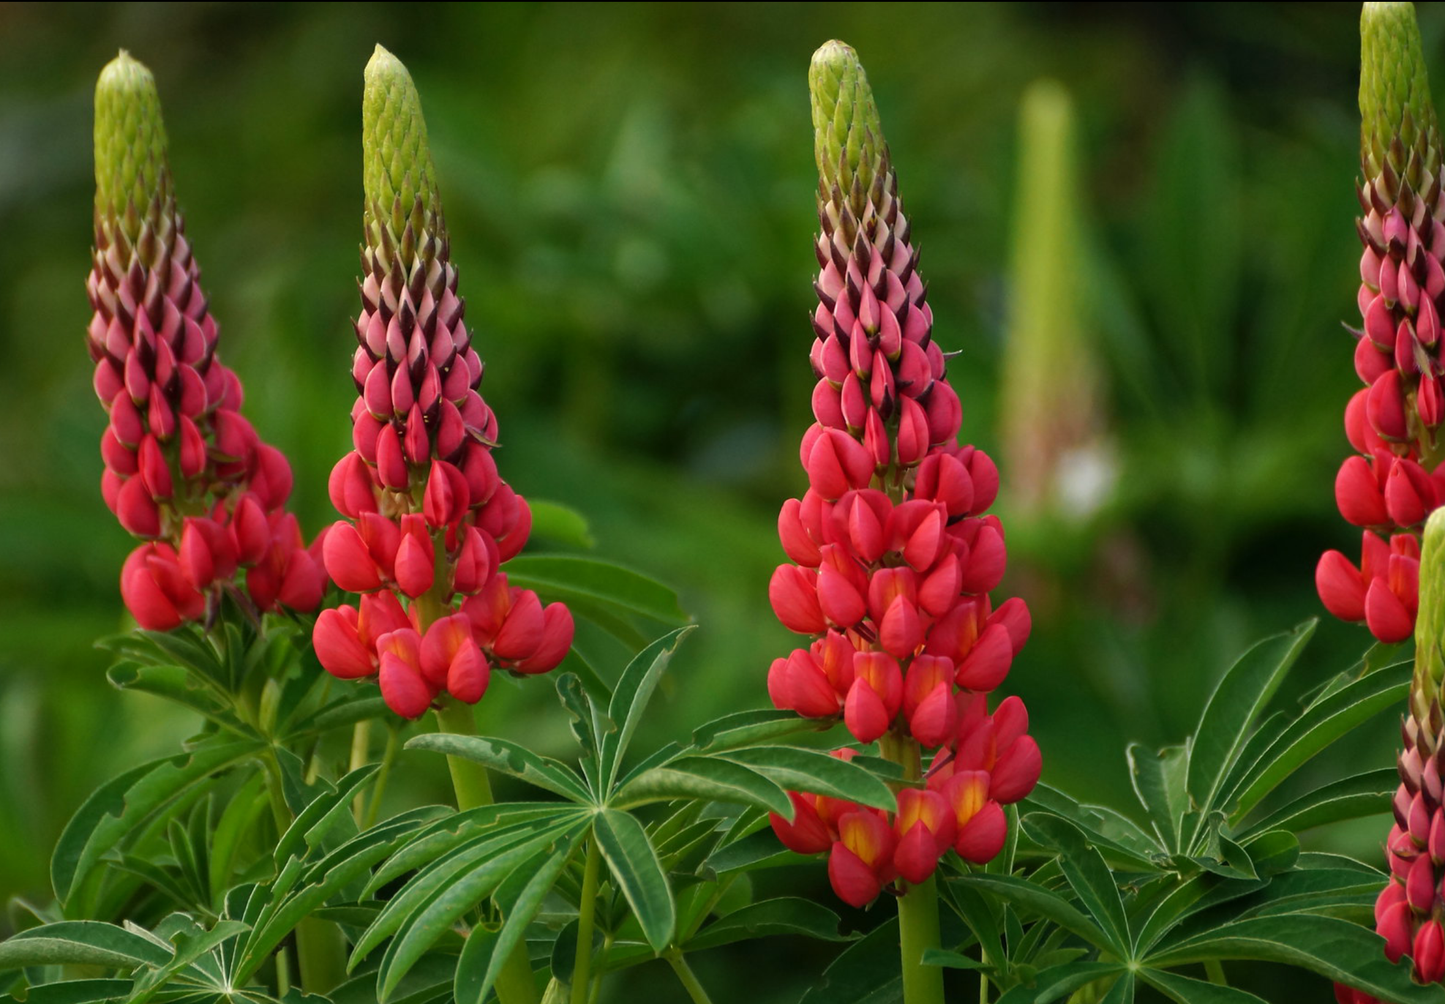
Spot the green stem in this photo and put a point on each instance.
(918, 932)
(918, 906)
(586, 914)
(469, 778)
(320, 949)
(516, 984)
(388, 757)
(283, 972)
(360, 753)
(1215, 972)
(687, 978)
(982, 988)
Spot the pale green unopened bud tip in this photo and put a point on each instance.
(397, 159)
(847, 135)
(1394, 87)
(130, 139)
(1430, 622)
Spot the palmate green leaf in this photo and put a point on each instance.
(1335, 949)
(560, 523)
(429, 982)
(1233, 707)
(685, 851)
(1318, 890)
(81, 942)
(1159, 779)
(1057, 982)
(177, 684)
(629, 698)
(749, 853)
(1317, 727)
(509, 758)
(1090, 877)
(682, 817)
(299, 890)
(78, 992)
(421, 927)
(866, 972)
(702, 777)
(1118, 838)
(191, 944)
(1031, 897)
(1121, 992)
(451, 866)
(337, 715)
(982, 916)
(1185, 899)
(451, 830)
(156, 875)
(1187, 990)
(1349, 798)
(636, 871)
(579, 665)
(186, 646)
(1273, 851)
(1220, 855)
(746, 728)
(951, 960)
(799, 769)
(587, 722)
(321, 814)
(136, 798)
(482, 958)
(591, 582)
(785, 915)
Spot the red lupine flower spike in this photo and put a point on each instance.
(431, 518)
(891, 554)
(177, 443)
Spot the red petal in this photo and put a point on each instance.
(338, 647)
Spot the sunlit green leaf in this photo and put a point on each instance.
(1233, 707)
(637, 872)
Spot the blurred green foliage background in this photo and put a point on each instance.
(630, 196)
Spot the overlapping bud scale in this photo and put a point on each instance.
(892, 555)
(184, 470)
(429, 520)
(1395, 480)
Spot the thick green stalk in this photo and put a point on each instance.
(516, 984)
(320, 949)
(469, 778)
(360, 753)
(918, 906)
(687, 978)
(586, 915)
(388, 758)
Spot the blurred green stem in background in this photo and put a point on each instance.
(360, 757)
(1051, 420)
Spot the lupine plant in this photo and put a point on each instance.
(257, 865)
(1390, 485)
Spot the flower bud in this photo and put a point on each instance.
(557, 633)
(338, 644)
(806, 834)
